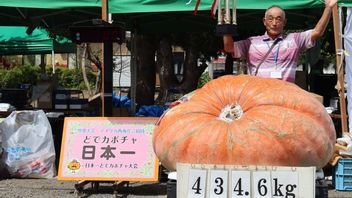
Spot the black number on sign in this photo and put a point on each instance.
(238, 187)
(196, 186)
(262, 189)
(219, 190)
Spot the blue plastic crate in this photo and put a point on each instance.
(343, 175)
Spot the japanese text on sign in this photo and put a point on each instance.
(108, 149)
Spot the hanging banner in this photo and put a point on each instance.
(108, 149)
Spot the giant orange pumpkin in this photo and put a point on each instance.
(246, 120)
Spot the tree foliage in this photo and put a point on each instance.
(67, 78)
(18, 75)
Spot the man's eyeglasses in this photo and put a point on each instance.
(272, 19)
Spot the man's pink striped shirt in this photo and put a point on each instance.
(282, 59)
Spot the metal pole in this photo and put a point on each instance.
(53, 61)
(234, 13)
(219, 12)
(227, 12)
(133, 73)
(107, 73)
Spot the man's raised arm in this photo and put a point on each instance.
(320, 27)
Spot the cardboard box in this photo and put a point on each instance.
(318, 97)
(301, 79)
(120, 112)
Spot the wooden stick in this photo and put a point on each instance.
(339, 68)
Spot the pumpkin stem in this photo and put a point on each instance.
(231, 112)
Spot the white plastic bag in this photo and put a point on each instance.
(28, 145)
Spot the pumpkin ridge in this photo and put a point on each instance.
(230, 138)
(295, 109)
(309, 141)
(216, 95)
(246, 84)
(183, 138)
(271, 133)
(158, 133)
(199, 112)
(238, 132)
(229, 80)
(263, 93)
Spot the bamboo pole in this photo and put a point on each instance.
(104, 17)
(340, 69)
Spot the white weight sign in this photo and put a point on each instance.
(208, 181)
(196, 183)
(261, 184)
(218, 183)
(241, 184)
(284, 184)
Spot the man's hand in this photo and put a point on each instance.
(330, 3)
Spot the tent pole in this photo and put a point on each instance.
(107, 63)
(133, 73)
(339, 69)
(53, 60)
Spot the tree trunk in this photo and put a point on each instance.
(95, 59)
(145, 53)
(83, 68)
(162, 91)
(167, 75)
(192, 71)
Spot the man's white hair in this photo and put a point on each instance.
(275, 6)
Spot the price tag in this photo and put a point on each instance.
(218, 183)
(197, 183)
(285, 183)
(261, 184)
(240, 184)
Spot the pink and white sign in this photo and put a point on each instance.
(108, 149)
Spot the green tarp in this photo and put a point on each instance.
(14, 40)
(155, 15)
(50, 4)
(134, 6)
(150, 16)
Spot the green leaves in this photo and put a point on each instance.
(16, 76)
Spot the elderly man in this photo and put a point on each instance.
(274, 54)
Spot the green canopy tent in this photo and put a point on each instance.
(15, 41)
(150, 16)
(154, 15)
(48, 13)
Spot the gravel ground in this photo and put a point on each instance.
(48, 188)
(51, 188)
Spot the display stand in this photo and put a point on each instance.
(79, 187)
(106, 103)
